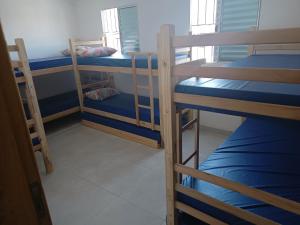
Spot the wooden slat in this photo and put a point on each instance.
(88, 43)
(117, 70)
(20, 80)
(34, 135)
(118, 117)
(37, 148)
(145, 106)
(12, 48)
(250, 74)
(151, 92)
(258, 108)
(61, 114)
(257, 194)
(189, 124)
(199, 215)
(143, 87)
(279, 47)
(53, 70)
(30, 123)
(278, 36)
(16, 64)
(135, 90)
(243, 214)
(141, 53)
(179, 141)
(102, 82)
(123, 134)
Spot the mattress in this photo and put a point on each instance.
(58, 103)
(262, 153)
(55, 104)
(116, 124)
(45, 63)
(121, 60)
(123, 105)
(266, 92)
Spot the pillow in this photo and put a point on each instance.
(95, 51)
(101, 93)
(66, 52)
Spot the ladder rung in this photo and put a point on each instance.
(12, 48)
(34, 135)
(143, 87)
(145, 106)
(20, 80)
(37, 148)
(190, 123)
(16, 64)
(30, 123)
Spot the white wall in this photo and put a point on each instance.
(151, 15)
(280, 14)
(45, 26)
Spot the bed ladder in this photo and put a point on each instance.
(180, 128)
(35, 122)
(148, 88)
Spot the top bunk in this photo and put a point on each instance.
(259, 85)
(141, 62)
(287, 94)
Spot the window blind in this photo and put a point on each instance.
(128, 21)
(237, 15)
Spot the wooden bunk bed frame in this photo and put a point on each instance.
(149, 72)
(171, 73)
(35, 124)
(49, 71)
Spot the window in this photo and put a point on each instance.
(120, 26)
(237, 15)
(203, 20)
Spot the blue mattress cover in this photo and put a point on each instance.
(121, 60)
(276, 93)
(261, 153)
(58, 103)
(131, 128)
(123, 104)
(45, 63)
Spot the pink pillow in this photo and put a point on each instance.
(101, 93)
(96, 51)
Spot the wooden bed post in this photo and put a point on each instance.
(76, 73)
(166, 55)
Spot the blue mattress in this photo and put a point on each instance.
(58, 103)
(45, 63)
(262, 153)
(266, 92)
(131, 128)
(123, 104)
(121, 60)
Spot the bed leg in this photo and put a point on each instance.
(179, 141)
(197, 137)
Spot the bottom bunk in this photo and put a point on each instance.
(122, 129)
(262, 154)
(58, 106)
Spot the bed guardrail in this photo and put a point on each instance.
(171, 73)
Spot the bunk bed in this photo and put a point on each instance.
(60, 105)
(31, 110)
(129, 116)
(253, 177)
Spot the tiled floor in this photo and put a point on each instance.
(104, 180)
